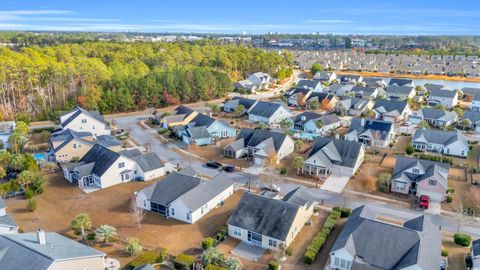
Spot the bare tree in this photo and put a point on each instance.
(137, 212)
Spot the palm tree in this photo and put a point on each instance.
(298, 163)
(25, 178)
(82, 222)
(134, 247)
(319, 124)
(233, 264)
(17, 162)
(239, 110)
(104, 233)
(5, 158)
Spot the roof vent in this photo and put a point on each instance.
(41, 237)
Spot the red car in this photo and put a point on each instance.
(424, 201)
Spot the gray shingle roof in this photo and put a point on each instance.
(68, 135)
(22, 251)
(344, 153)
(378, 245)
(390, 106)
(476, 247)
(265, 216)
(438, 136)
(299, 196)
(443, 93)
(148, 162)
(8, 221)
(430, 168)
(77, 111)
(172, 187)
(253, 137)
(246, 102)
(378, 127)
(471, 91)
(471, 115)
(265, 109)
(312, 84)
(394, 89)
(107, 140)
(400, 82)
(437, 114)
(102, 158)
(198, 132)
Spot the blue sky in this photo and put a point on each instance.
(420, 17)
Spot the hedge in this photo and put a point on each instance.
(221, 234)
(183, 261)
(208, 243)
(444, 252)
(344, 211)
(462, 239)
(320, 238)
(435, 158)
(214, 267)
(150, 257)
(273, 265)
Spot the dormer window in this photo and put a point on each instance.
(432, 182)
(121, 165)
(84, 121)
(415, 170)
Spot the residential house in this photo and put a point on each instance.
(335, 156)
(420, 177)
(368, 242)
(101, 167)
(367, 92)
(400, 93)
(470, 120)
(7, 223)
(350, 79)
(298, 96)
(391, 110)
(269, 112)
(475, 104)
(353, 106)
(434, 87)
(47, 251)
(401, 82)
(181, 116)
(231, 105)
(259, 144)
(271, 223)
(254, 82)
(452, 143)
(340, 90)
(446, 98)
(314, 85)
(469, 92)
(476, 254)
(310, 124)
(324, 76)
(81, 120)
(6, 129)
(371, 132)
(186, 198)
(203, 129)
(374, 82)
(67, 145)
(327, 101)
(435, 117)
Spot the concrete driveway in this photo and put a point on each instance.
(247, 251)
(335, 183)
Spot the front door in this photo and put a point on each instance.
(254, 238)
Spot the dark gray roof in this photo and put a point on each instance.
(381, 128)
(476, 247)
(298, 90)
(188, 171)
(201, 120)
(390, 105)
(252, 137)
(339, 152)
(265, 109)
(312, 84)
(148, 162)
(430, 168)
(373, 81)
(305, 117)
(102, 157)
(471, 91)
(198, 132)
(438, 136)
(299, 196)
(394, 89)
(320, 96)
(8, 221)
(476, 97)
(172, 187)
(246, 102)
(2, 203)
(400, 82)
(471, 115)
(183, 110)
(68, 135)
(107, 140)
(265, 216)
(22, 251)
(378, 245)
(130, 153)
(363, 90)
(443, 93)
(77, 111)
(434, 113)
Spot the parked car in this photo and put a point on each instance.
(229, 168)
(424, 201)
(214, 164)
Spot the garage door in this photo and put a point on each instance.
(258, 161)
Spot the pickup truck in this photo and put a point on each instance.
(424, 201)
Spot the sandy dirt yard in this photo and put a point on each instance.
(62, 201)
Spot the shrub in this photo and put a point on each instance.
(444, 252)
(32, 205)
(273, 265)
(214, 267)
(450, 190)
(462, 239)
(91, 236)
(162, 131)
(222, 234)
(319, 239)
(134, 247)
(309, 257)
(150, 257)
(289, 251)
(208, 243)
(183, 261)
(344, 211)
(449, 198)
(29, 193)
(409, 149)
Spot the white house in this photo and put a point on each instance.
(269, 112)
(268, 222)
(81, 120)
(335, 156)
(6, 129)
(7, 223)
(371, 132)
(476, 254)
(475, 105)
(186, 198)
(325, 76)
(452, 143)
(447, 98)
(231, 105)
(258, 145)
(101, 167)
(367, 242)
(435, 117)
(470, 120)
(400, 93)
(391, 110)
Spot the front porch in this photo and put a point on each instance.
(321, 172)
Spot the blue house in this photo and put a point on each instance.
(309, 125)
(203, 130)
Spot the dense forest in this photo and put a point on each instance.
(38, 82)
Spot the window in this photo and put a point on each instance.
(74, 145)
(121, 165)
(237, 232)
(173, 211)
(432, 182)
(84, 121)
(272, 243)
(188, 216)
(415, 170)
(337, 261)
(93, 127)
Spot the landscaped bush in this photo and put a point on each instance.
(91, 236)
(283, 171)
(435, 158)
(29, 193)
(214, 267)
(273, 265)
(32, 205)
(222, 234)
(450, 190)
(462, 239)
(150, 257)
(449, 198)
(444, 252)
(183, 261)
(409, 149)
(162, 131)
(289, 251)
(320, 238)
(208, 243)
(344, 211)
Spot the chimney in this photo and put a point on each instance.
(41, 237)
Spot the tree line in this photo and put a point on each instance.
(38, 82)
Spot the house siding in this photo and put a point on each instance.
(92, 125)
(94, 263)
